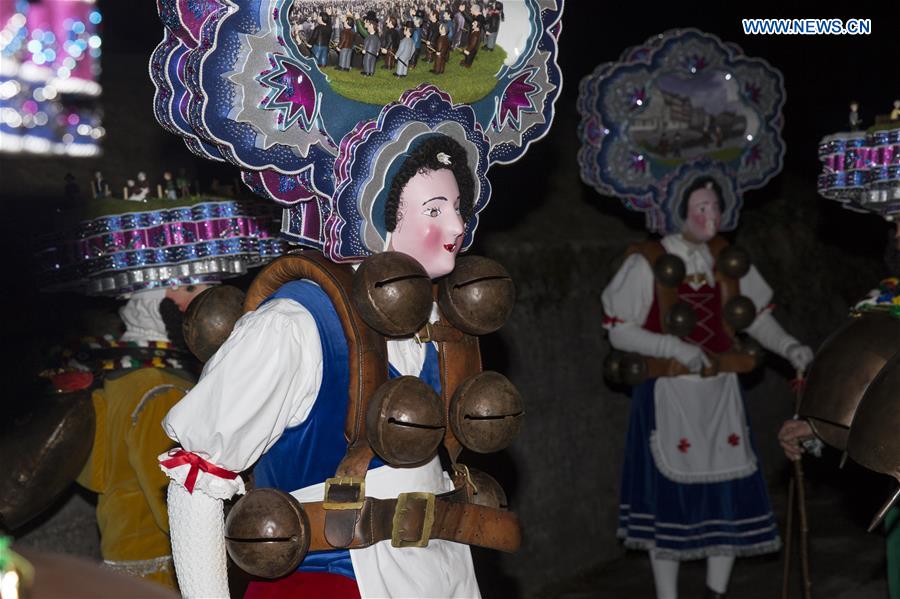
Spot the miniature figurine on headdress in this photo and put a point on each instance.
(405, 51)
(854, 119)
(167, 188)
(99, 186)
(676, 305)
(345, 43)
(858, 414)
(386, 187)
(106, 429)
(473, 41)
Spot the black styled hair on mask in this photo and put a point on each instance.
(700, 183)
(424, 158)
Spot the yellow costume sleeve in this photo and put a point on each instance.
(146, 439)
(94, 475)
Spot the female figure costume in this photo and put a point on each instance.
(691, 485)
(289, 352)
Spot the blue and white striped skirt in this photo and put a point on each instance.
(688, 521)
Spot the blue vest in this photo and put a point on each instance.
(310, 452)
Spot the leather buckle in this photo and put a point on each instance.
(400, 511)
(428, 335)
(345, 481)
(462, 471)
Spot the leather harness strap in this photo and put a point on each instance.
(412, 519)
(367, 349)
(347, 518)
(666, 297)
(458, 361)
(731, 361)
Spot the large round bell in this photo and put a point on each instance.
(487, 491)
(477, 296)
(486, 412)
(405, 421)
(210, 319)
(392, 293)
(733, 262)
(874, 441)
(748, 345)
(842, 371)
(680, 319)
(633, 369)
(612, 367)
(267, 533)
(739, 312)
(669, 270)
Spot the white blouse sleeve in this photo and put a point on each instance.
(629, 295)
(263, 379)
(755, 287)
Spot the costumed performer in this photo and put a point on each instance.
(830, 398)
(691, 483)
(390, 186)
(160, 261)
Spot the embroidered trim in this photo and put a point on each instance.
(701, 552)
(698, 524)
(150, 395)
(705, 535)
(706, 477)
(141, 567)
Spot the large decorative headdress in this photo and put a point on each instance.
(135, 246)
(236, 80)
(681, 106)
(862, 169)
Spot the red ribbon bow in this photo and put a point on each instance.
(179, 457)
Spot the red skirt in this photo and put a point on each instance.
(305, 584)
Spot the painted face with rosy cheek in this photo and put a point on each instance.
(703, 216)
(429, 226)
(185, 294)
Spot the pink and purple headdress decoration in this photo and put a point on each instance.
(681, 106)
(862, 170)
(49, 77)
(234, 79)
(145, 246)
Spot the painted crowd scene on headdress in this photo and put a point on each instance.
(462, 46)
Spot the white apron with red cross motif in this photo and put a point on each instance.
(701, 433)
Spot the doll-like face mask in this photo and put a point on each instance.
(429, 226)
(703, 215)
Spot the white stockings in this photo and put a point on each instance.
(665, 574)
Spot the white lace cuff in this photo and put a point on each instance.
(193, 472)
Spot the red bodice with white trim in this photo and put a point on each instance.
(709, 333)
